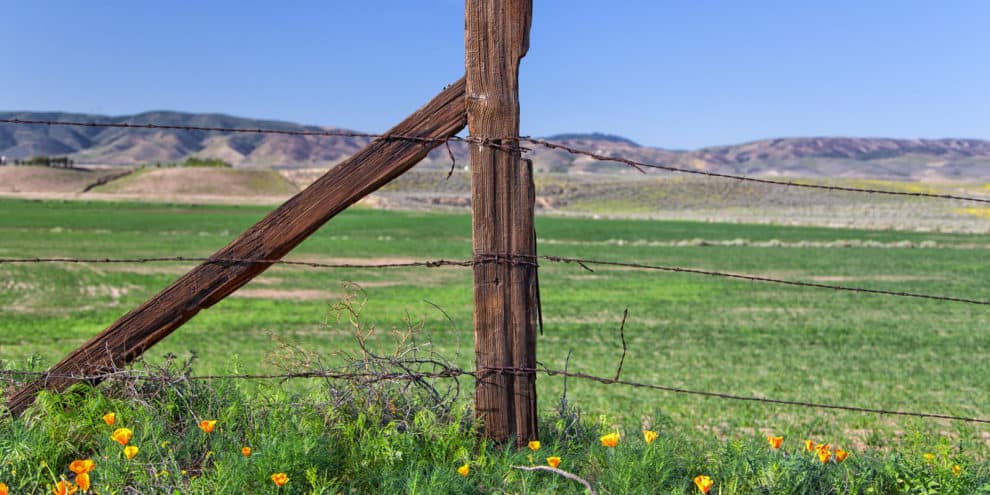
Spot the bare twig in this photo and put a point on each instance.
(561, 472)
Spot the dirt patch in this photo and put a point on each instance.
(200, 181)
(50, 180)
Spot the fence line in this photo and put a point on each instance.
(480, 374)
(498, 143)
(512, 260)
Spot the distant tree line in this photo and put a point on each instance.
(197, 162)
(47, 161)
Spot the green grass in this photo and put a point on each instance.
(685, 331)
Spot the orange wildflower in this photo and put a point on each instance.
(955, 470)
(928, 457)
(82, 480)
(464, 470)
(3, 489)
(704, 483)
(122, 435)
(280, 479)
(130, 451)
(553, 461)
(82, 466)
(840, 455)
(809, 445)
(775, 442)
(610, 440)
(110, 418)
(246, 451)
(649, 436)
(64, 488)
(207, 425)
(534, 445)
(824, 454)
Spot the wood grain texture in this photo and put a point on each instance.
(496, 38)
(271, 238)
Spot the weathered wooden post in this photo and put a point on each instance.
(270, 239)
(502, 194)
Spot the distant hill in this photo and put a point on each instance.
(841, 157)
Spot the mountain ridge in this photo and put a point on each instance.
(840, 157)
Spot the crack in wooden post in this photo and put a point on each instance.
(270, 239)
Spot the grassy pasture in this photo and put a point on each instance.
(686, 331)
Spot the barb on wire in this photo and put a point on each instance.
(509, 259)
(640, 165)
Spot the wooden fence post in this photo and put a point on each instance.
(496, 38)
(271, 238)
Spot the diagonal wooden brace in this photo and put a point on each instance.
(271, 238)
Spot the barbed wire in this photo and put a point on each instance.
(640, 165)
(284, 132)
(480, 374)
(757, 278)
(511, 260)
(498, 144)
(492, 143)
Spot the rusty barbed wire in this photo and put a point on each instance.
(492, 143)
(512, 260)
(718, 395)
(480, 374)
(640, 165)
(756, 278)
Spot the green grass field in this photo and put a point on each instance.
(684, 331)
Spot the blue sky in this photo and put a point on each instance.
(672, 74)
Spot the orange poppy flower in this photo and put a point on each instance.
(122, 435)
(824, 454)
(82, 466)
(955, 470)
(246, 451)
(775, 442)
(553, 461)
(82, 480)
(704, 483)
(649, 436)
(809, 445)
(610, 440)
(130, 451)
(110, 418)
(64, 488)
(534, 445)
(3, 489)
(464, 470)
(280, 479)
(840, 455)
(207, 425)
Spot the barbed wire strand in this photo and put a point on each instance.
(285, 132)
(507, 259)
(639, 165)
(480, 374)
(494, 143)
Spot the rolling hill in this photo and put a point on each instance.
(837, 157)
